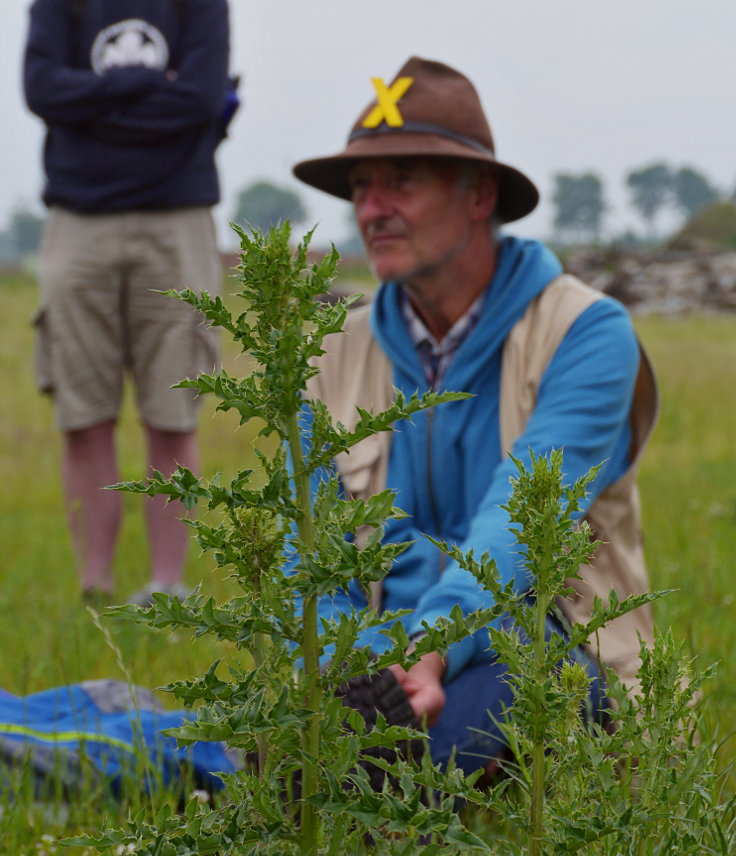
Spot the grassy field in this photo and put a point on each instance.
(51, 637)
(688, 482)
(688, 485)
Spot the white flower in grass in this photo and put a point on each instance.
(46, 845)
(202, 797)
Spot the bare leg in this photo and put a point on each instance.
(88, 465)
(168, 536)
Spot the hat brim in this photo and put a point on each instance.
(517, 194)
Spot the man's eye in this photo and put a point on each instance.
(404, 179)
(357, 187)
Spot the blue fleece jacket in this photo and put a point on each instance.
(131, 93)
(446, 465)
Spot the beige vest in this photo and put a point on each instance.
(354, 371)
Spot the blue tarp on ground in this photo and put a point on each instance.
(105, 731)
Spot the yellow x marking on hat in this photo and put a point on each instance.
(387, 97)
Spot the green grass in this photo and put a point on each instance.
(688, 484)
(51, 635)
(48, 638)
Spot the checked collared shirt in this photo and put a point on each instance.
(435, 356)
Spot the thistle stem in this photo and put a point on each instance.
(310, 822)
(536, 818)
(259, 657)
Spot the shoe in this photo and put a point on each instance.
(144, 597)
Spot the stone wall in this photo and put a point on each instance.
(666, 283)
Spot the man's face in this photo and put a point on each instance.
(415, 214)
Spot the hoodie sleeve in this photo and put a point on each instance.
(62, 94)
(131, 105)
(582, 408)
(193, 95)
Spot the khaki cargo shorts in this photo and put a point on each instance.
(100, 317)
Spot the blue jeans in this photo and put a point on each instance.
(477, 699)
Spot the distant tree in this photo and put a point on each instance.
(712, 229)
(351, 245)
(579, 204)
(628, 240)
(26, 229)
(22, 235)
(692, 191)
(263, 205)
(651, 189)
(7, 249)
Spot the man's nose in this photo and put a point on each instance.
(373, 204)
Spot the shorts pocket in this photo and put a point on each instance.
(206, 349)
(42, 359)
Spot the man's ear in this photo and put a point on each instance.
(485, 196)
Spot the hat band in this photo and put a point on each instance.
(422, 128)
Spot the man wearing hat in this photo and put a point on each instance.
(551, 364)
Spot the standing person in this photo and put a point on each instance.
(551, 364)
(134, 95)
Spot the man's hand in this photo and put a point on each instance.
(423, 685)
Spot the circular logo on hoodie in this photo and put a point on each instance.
(129, 43)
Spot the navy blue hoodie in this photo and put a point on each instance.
(132, 93)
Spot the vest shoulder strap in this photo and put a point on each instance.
(532, 343)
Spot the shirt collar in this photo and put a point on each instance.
(451, 341)
(435, 356)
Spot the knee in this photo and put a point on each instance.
(171, 446)
(101, 433)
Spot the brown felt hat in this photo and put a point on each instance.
(439, 114)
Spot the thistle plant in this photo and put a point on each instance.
(636, 780)
(287, 539)
(272, 694)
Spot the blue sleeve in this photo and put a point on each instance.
(583, 408)
(62, 94)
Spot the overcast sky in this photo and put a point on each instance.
(569, 85)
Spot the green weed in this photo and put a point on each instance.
(689, 505)
(570, 786)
